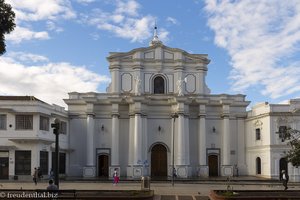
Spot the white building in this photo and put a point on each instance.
(26, 138)
(265, 147)
(157, 113)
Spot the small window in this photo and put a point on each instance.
(159, 85)
(257, 134)
(44, 123)
(282, 131)
(44, 162)
(63, 127)
(22, 162)
(2, 122)
(24, 122)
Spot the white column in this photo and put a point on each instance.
(115, 79)
(187, 140)
(90, 153)
(202, 82)
(241, 142)
(226, 141)
(115, 140)
(180, 141)
(137, 139)
(202, 140)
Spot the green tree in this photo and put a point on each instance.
(7, 24)
(293, 137)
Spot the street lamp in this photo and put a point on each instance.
(56, 127)
(174, 116)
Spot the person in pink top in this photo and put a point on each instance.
(116, 176)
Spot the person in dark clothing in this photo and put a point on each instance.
(285, 179)
(51, 185)
(39, 173)
(35, 176)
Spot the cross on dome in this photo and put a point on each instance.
(155, 40)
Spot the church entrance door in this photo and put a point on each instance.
(159, 163)
(213, 165)
(103, 166)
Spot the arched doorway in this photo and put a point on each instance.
(159, 162)
(159, 85)
(283, 165)
(213, 165)
(258, 165)
(103, 165)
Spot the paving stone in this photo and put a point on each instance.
(201, 197)
(168, 197)
(180, 197)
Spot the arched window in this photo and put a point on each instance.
(258, 165)
(159, 85)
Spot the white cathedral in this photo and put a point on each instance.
(157, 115)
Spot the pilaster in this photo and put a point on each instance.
(90, 170)
(203, 170)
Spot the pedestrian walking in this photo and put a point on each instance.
(116, 176)
(285, 179)
(35, 176)
(40, 175)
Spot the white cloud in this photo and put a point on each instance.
(30, 11)
(127, 7)
(259, 36)
(21, 33)
(34, 10)
(51, 26)
(49, 82)
(27, 57)
(95, 36)
(85, 1)
(172, 20)
(124, 21)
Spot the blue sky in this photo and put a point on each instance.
(60, 46)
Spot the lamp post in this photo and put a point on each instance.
(174, 116)
(56, 127)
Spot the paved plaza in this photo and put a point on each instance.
(197, 189)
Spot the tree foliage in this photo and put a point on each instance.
(293, 155)
(7, 23)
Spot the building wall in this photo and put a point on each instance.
(270, 148)
(34, 140)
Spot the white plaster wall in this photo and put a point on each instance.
(78, 131)
(124, 145)
(214, 138)
(193, 147)
(102, 137)
(233, 141)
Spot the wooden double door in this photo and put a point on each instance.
(159, 161)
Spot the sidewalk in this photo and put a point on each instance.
(190, 188)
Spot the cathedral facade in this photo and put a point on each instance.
(157, 115)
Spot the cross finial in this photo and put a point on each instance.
(155, 39)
